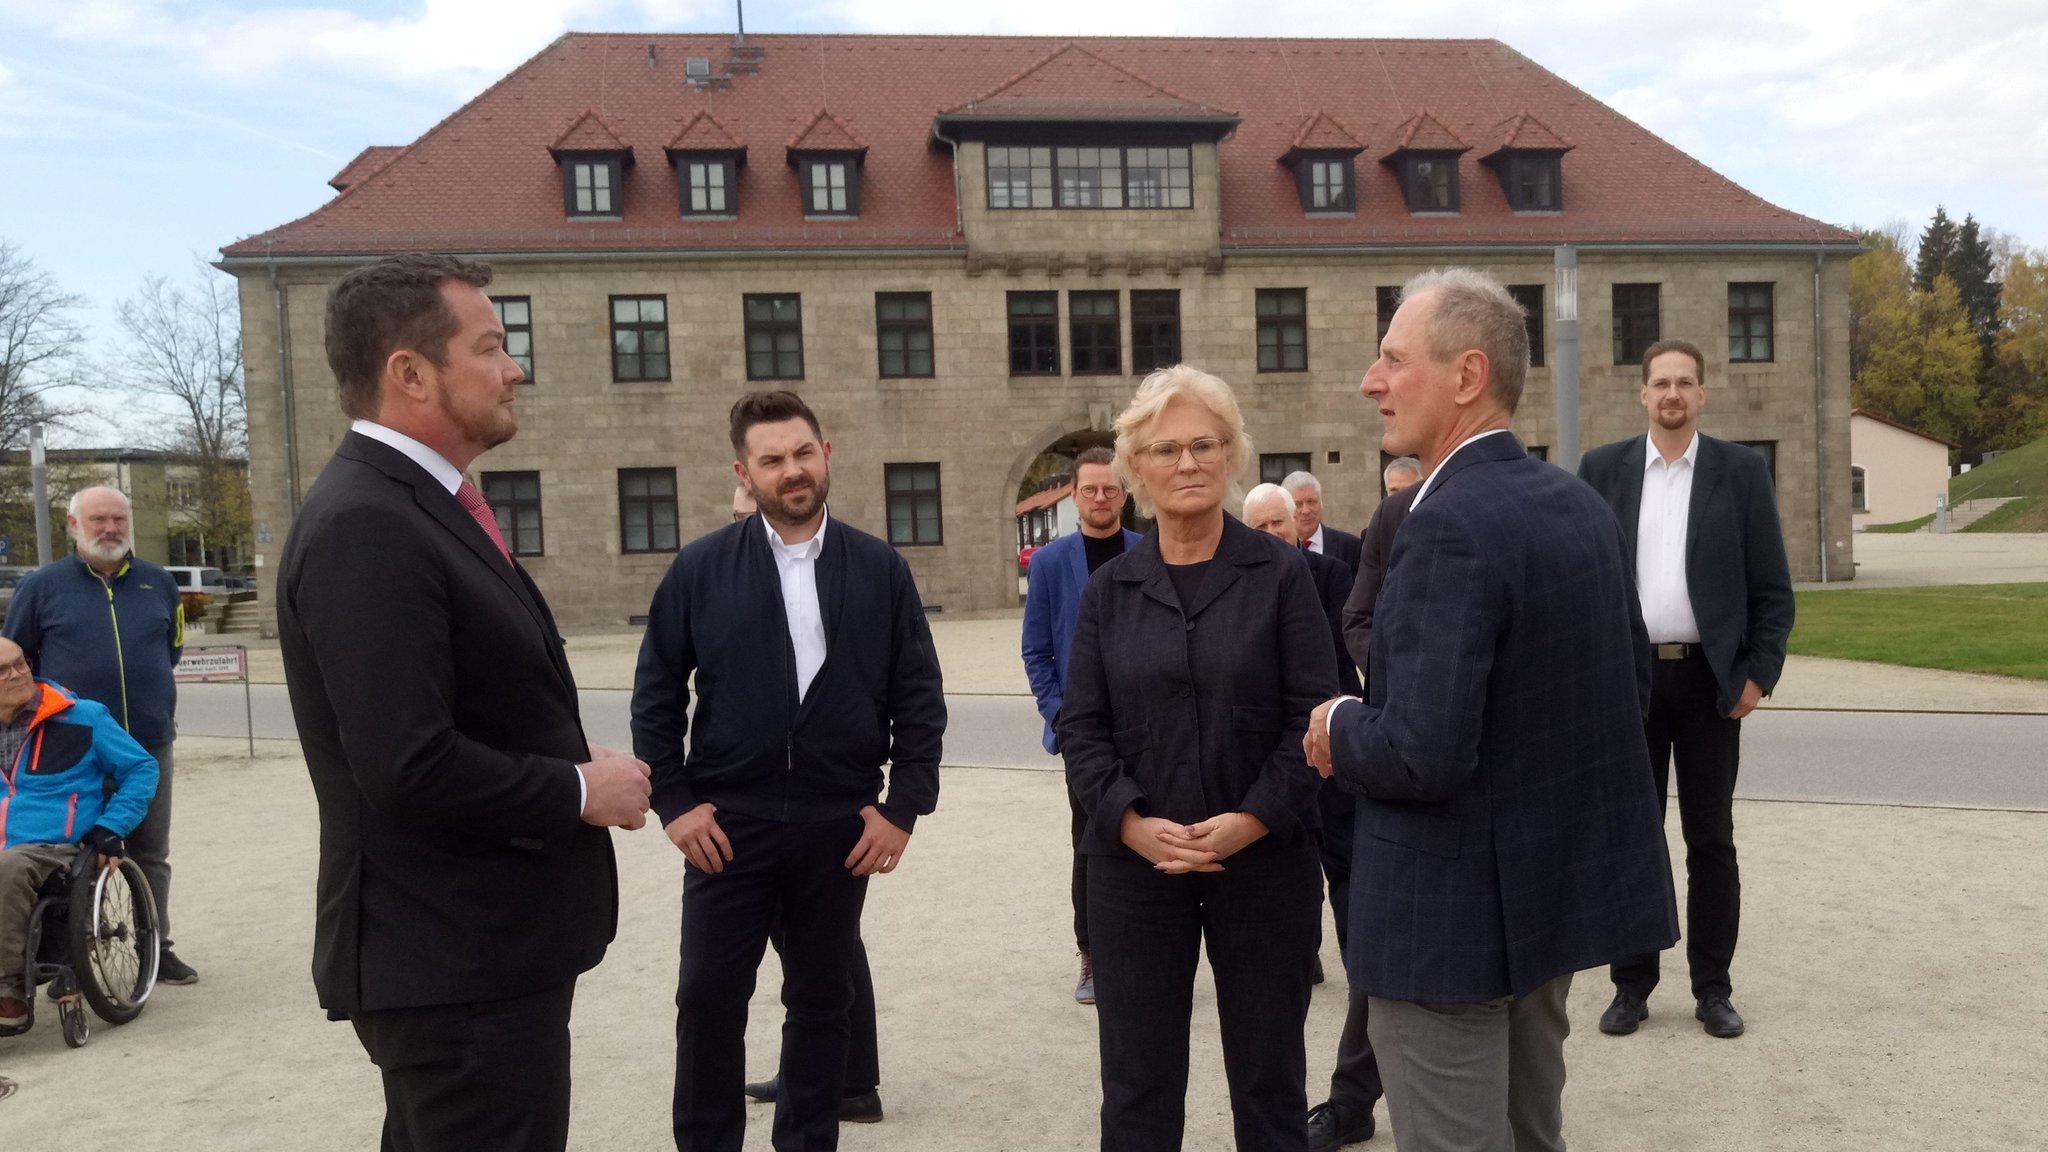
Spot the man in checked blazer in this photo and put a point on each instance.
(1507, 833)
(1699, 524)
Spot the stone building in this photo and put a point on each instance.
(1895, 472)
(964, 251)
(163, 490)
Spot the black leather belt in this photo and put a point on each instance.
(1672, 651)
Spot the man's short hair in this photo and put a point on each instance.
(1097, 455)
(78, 498)
(1408, 464)
(1301, 482)
(387, 305)
(768, 408)
(1472, 312)
(1264, 491)
(1699, 362)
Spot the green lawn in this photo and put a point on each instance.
(1902, 526)
(1997, 628)
(2025, 467)
(2027, 514)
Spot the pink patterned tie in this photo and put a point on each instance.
(480, 510)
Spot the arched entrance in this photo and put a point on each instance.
(1041, 481)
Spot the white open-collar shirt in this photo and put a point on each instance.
(1660, 544)
(797, 565)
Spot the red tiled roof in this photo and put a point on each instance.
(589, 134)
(1425, 133)
(704, 133)
(1524, 131)
(1867, 414)
(1075, 83)
(1322, 133)
(826, 134)
(367, 161)
(454, 189)
(1045, 499)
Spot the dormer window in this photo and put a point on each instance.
(1530, 164)
(591, 187)
(707, 160)
(707, 187)
(593, 161)
(1532, 182)
(1330, 186)
(1430, 180)
(830, 186)
(1323, 159)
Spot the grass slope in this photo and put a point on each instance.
(2001, 629)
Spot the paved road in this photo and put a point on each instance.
(1942, 759)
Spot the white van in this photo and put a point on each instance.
(211, 581)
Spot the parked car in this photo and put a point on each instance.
(1024, 555)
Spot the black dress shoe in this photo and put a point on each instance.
(1622, 1016)
(861, 1108)
(1718, 1017)
(1331, 1126)
(1319, 971)
(764, 1091)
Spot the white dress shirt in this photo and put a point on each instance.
(1315, 542)
(449, 477)
(797, 565)
(1660, 545)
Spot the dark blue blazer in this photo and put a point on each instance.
(1187, 711)
(1508, 828)
(1052, 600)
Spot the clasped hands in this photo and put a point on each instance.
(1175, 848)
(704, 844)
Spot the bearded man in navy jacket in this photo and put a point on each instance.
(813, 666)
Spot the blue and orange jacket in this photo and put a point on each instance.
(54, 791)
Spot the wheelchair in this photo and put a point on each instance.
(93, 937)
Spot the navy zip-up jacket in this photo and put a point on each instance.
(750, 747)
(114, 641)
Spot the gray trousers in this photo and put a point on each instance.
(1483, 1077)
(22, 867)
(150, 843)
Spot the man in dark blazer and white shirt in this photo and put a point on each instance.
(1307, 493)
(1699, 520)
(466, 877)
(1507, 835)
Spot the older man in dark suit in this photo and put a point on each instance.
(466, 877)
(1507, 834)
(1699, 521)
(1307, 493)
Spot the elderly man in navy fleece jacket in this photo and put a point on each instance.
(813, 667)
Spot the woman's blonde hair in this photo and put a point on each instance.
(1153, 395)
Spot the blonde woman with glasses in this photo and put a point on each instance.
(1197, 657)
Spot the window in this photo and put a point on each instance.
(1155, 329)
(1530, 297)
(1283, 329)
(1019, 177)
(1533, 183)
(1431, 180)
(1096, 333)
(1089, 177)
(515, 499)
(1859, 494)
(829, 188)
(1034, 334)
(1635, 321)
(647, 509)
(1385, 300)
(591, 186)
(1768, 449)
(775, 337)
(1326, 184)
(639, 338)
(1540, 451)
(903, 333)
(913, 492)
(1750, 324)
(516, 314)
(708, 185)
(1277, 466)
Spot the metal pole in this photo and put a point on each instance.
(39, 484)
(248, 709)
(740, 7)
(1566, 369)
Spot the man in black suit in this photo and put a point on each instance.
(1307, 493)
(1699, 521)
(1507, 833)
(466, 877)
(813, 667)
(1375, 550)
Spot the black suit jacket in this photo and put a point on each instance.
(1340, 545)
(440, 727)
(1376, 551)
(1735, 570)
(1333, 583)
(1508, 828)
(1190, 711)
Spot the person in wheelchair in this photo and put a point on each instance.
(56, 753)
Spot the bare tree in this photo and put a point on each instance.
(39, 343)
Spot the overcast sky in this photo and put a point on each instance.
(138, 134)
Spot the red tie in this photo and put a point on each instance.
(480, 510)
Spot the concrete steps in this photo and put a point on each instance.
(239, 617)
(1963, 515)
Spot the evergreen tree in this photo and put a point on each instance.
(1937, 250)
(1970, 266)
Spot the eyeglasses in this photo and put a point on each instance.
(1167, 453)
(1104, 492)
(18, 668)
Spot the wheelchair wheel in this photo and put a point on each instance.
(77, 1028)
(115, 940)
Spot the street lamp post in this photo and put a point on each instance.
(1566, 369)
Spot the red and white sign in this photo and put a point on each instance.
(217, 663)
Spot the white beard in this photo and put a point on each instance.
(106, 551)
